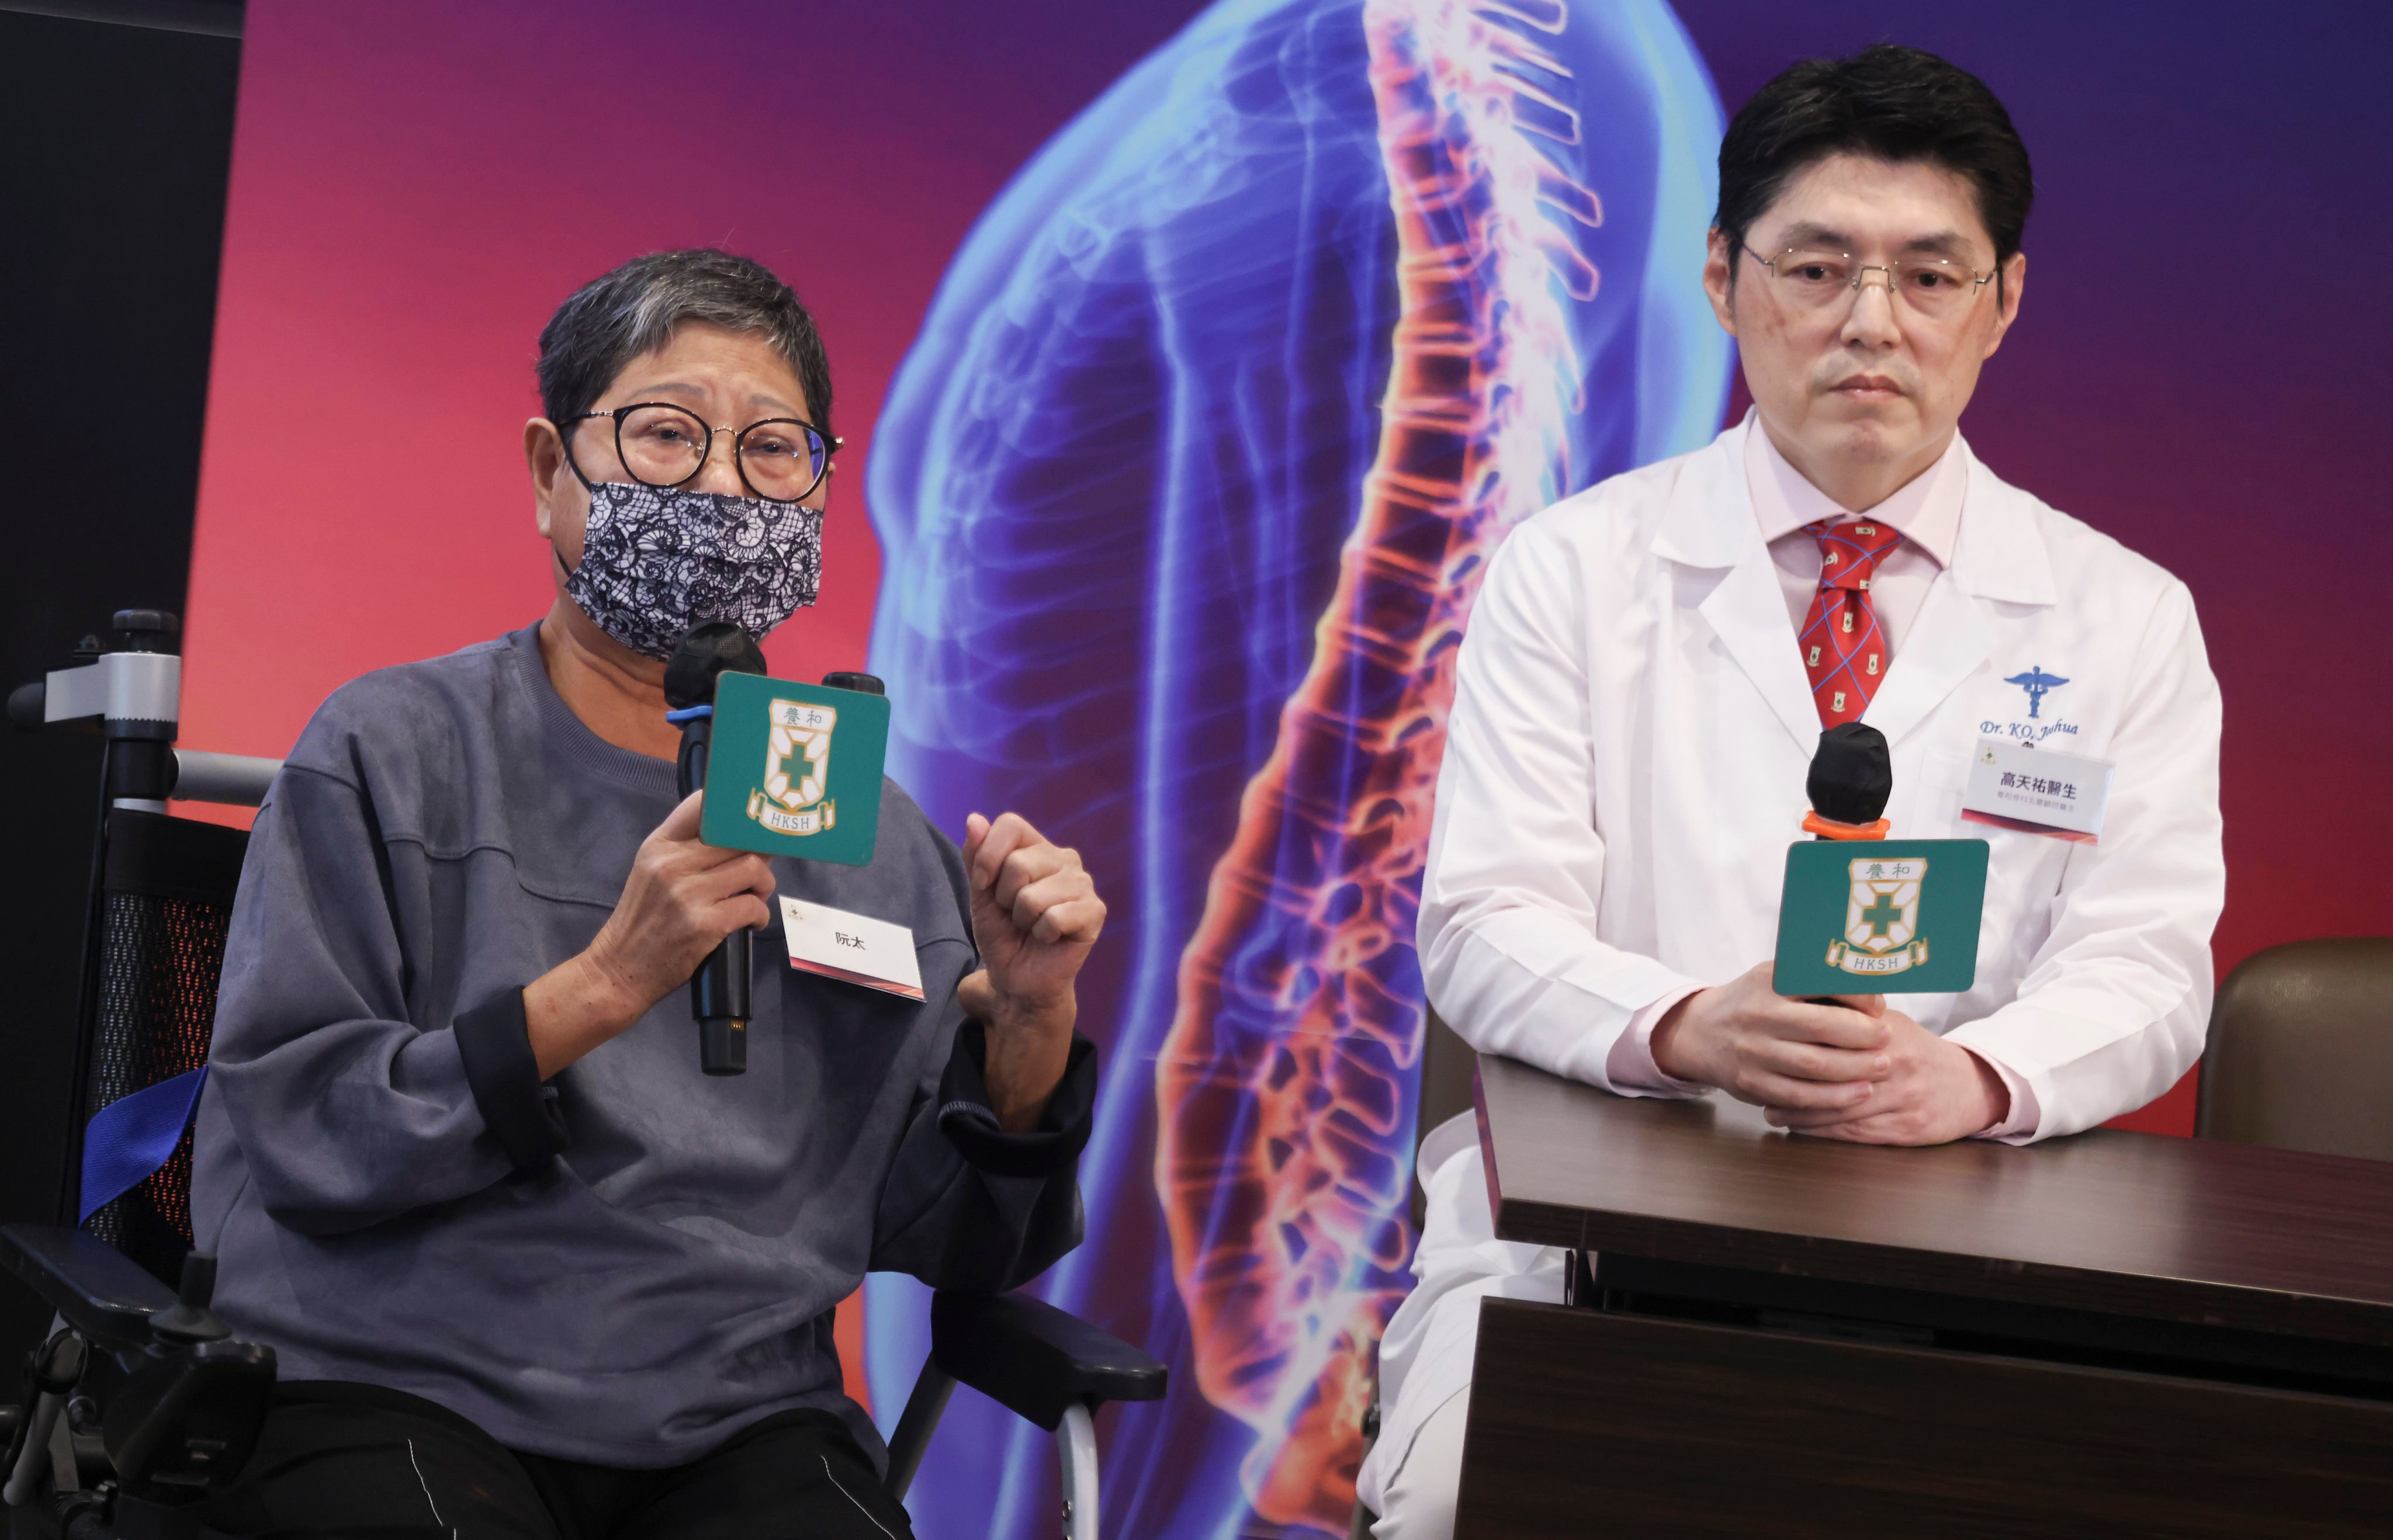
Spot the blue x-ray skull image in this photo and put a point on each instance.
(1184, 493)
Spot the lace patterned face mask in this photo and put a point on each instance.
(658, 560)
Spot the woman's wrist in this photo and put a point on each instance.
(1027, 1050)
(573, 1008)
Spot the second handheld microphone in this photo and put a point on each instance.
(719, 991)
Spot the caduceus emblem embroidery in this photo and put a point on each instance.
(794, 803)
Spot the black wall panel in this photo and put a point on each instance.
(119, 137)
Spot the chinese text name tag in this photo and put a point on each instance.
(795, 769)
(857, 948)
(2019, 786)
(1880, 917)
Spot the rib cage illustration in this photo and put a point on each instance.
(1283, 1083)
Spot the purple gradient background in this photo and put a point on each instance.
(2199, 368)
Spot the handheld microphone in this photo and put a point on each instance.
(1852, 777)
(719, 991)
(1879, 915)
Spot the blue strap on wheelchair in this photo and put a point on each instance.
(128, 1140)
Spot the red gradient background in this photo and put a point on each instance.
(416, 186)
(2199, 369)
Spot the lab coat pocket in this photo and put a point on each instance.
(1932, 811)
(1929, 808)
(2023, 872)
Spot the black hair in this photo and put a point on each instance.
(636, 309)
(1890, 102)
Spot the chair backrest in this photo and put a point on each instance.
(166, 892)
(2301, 1049)
(1446, 1063)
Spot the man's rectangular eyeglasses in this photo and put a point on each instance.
(1815, 278)
(779, 459)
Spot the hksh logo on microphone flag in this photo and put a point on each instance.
(795, 770)
(791, 799)
(1882, 920)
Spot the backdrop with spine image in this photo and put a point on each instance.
(1224, 405)
(1192, 359)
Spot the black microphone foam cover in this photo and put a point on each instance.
(715, 649)
(1851, 775)
(862, 683)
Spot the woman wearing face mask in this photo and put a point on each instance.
(525, 1269)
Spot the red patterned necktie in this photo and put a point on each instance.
(1844, 654)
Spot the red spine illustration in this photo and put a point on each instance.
(1283, 1147)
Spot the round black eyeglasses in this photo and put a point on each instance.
(779, 459)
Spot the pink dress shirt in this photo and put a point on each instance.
(1927, 510)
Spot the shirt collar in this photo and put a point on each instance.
(1927, 509)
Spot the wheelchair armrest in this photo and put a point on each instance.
(102, 1292)
(1033, 1359)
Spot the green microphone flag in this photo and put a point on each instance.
(1880, 917)
(795, 769)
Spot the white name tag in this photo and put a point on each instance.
(852, 947)
(2019, 786)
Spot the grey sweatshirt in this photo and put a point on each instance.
(630, 1263)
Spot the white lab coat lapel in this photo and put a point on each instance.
(1999, 556)
(1949, 639)
(1710, 525)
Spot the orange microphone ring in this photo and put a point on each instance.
(1828, 828)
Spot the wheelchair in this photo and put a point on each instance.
(142, 1404)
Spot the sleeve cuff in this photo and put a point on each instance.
(1630, 1065)
(965, 1117)
(2024, 1113)
(495, 1044)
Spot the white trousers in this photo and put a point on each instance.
(1411, 1475)
(1420, 1495)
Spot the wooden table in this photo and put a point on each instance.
(2111, 1333)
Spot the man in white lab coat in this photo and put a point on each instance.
(1650, 663)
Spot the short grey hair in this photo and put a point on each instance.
(636, 308)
